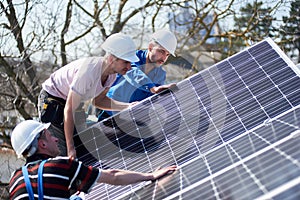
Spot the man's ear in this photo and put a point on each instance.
(150, 47)
(111, 58)
(41, 144)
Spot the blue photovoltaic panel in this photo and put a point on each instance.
(232, 129)
(262, 163)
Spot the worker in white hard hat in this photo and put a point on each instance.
(50, 177)
(82, 80)
(147, 76)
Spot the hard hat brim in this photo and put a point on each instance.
(47, 125)
(121, 46)
(165, 47)
(132, 58)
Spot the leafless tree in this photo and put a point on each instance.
(37, 37)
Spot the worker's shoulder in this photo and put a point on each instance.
(61, 159)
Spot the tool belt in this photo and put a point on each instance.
(52, 109)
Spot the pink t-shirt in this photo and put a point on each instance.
(82, 76)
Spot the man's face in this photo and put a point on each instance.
(157, 54)
(51, 143)
(121, 66)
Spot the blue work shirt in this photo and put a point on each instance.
(125, 86)
(135, 85)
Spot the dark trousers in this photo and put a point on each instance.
(51, 109)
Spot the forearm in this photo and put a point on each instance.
(69, 128)
(123, 177)
(106, 103)
(117, 105)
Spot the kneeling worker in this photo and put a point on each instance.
(35, 142)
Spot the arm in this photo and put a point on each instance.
(106, 103)
(72, 102)
(161, 88)
(124, 177)
(138, 78)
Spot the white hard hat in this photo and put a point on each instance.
(121, 46)
(24, 135)
(166, 39)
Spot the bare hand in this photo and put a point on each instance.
(72, 152)
(133, 104)
(159, 172)
(162, 87)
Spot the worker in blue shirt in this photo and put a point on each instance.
(147, 76)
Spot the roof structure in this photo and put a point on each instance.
(233, 130)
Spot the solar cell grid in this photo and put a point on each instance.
(257, 173)
(229, 128)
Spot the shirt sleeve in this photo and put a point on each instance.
(90, 179)
(87, 78)
(139, 79)
(81, 84)
(84, 177)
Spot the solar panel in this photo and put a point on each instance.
(233, 130)
(262, 163)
